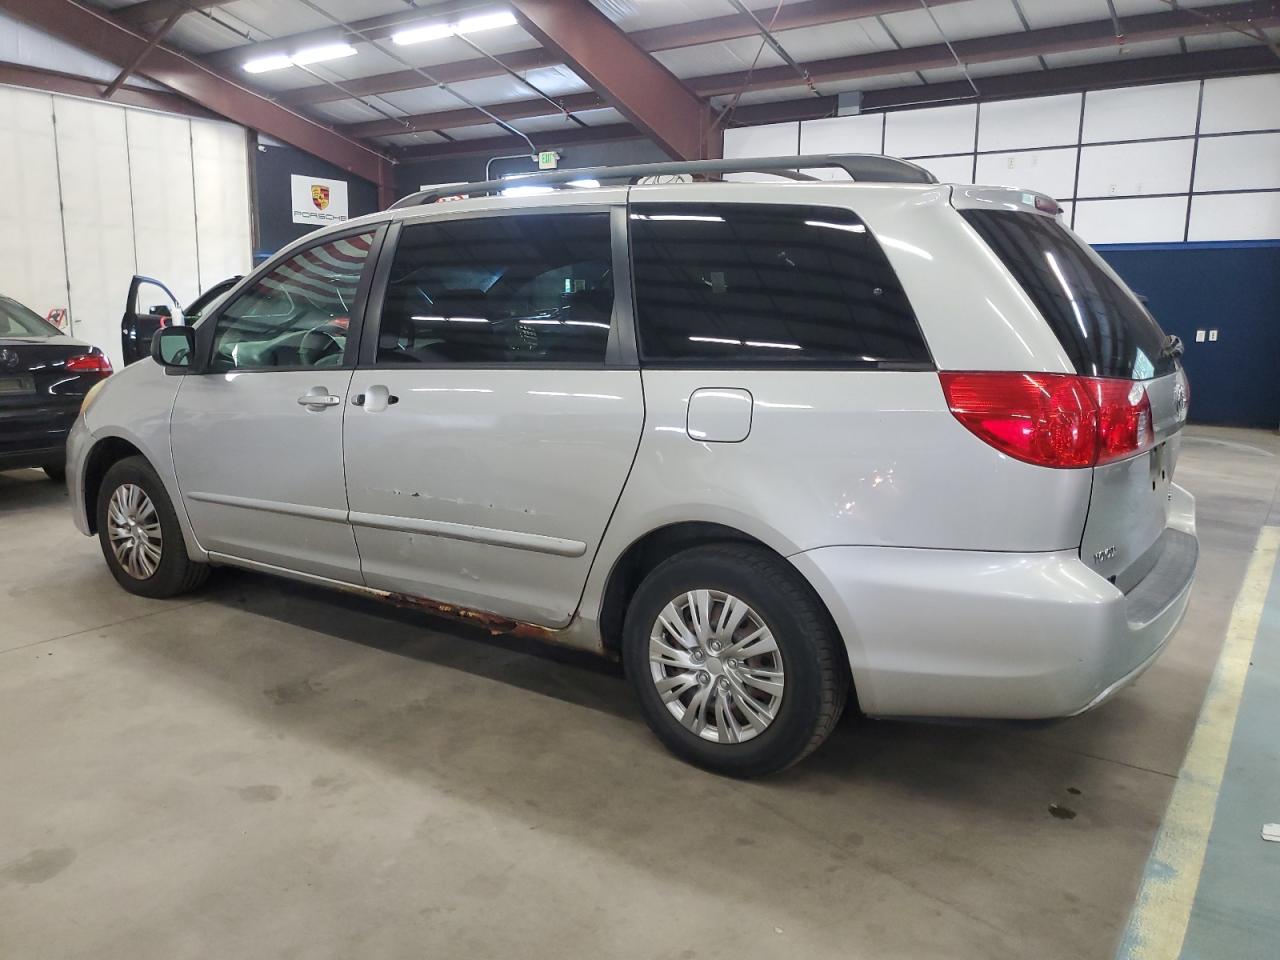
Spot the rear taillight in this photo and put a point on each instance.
(89, 363)
(1052, 419)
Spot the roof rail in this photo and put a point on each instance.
(860, 166)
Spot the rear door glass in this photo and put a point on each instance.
(767, 285)
(1102, 327)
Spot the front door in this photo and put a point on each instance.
(257, 434)
(496, 411)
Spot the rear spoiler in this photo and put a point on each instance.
(1003, 198)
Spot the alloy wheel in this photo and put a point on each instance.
(134, 531)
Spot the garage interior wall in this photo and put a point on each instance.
(99, 192)
(1189, 161)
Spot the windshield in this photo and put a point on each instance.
(1102, 327)
(17, 321)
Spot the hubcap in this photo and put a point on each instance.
(133, 527)
(716, 666)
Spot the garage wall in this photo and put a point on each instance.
(1190, 161)
(98, 192)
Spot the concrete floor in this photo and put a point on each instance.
(268, 770)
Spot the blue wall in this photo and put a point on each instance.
(1233, 287)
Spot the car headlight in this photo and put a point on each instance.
(88, 397)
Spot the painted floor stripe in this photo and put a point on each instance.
(1158, 924)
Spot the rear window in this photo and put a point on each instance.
(1102, 327)
(767, 284)
(17, 321)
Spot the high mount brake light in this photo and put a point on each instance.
(1053, 419)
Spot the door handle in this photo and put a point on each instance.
(319, 400)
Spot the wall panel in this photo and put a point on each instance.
(1235, 216)
(1033, 122)
(1241, 103)
(32, 258)
(1139, 220)
(219, 153)
(164, 212)
(1133, 169)
(1246, 162)
(93, 159)
(930, 131)
(1134, 113)
(1051, 172)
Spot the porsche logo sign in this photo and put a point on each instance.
(318, 201)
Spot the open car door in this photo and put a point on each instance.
(149, 306)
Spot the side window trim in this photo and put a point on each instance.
(206, 328)
(621, 350)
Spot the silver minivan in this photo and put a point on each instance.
(773, 445)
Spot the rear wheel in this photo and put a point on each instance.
(140, 535)
(735, 661)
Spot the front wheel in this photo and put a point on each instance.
(734, 659)
(140, 535)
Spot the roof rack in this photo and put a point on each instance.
(860, 166)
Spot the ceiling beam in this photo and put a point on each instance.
(491, 146)
(104, 37)
(635, 84)
(153, 11)
(1204, 64)
(470, 117)
(136, 60)
(806, 13)
(1199, 65)
(1092, 35)
(54, 81)
(1079, 36)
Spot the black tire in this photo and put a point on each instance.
(817, 681)
(57, 472)
(176, 572)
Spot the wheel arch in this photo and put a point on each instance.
(644, 553)
(102, 455)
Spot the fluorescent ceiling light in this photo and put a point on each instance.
(586, 183)
(330, 51)
(278, 61)
(263, 64)
(434, 31)
(437, 31)
(485, 21)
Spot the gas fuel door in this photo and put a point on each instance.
(719, 414)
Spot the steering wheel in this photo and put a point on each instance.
(317, 344)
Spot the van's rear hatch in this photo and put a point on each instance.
(1106, 332)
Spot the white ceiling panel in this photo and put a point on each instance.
(543, 124)
(642, 14)
(478, 132)
(712, 58)
(344, 111)
(411, 139)
(1135, 51)
(959, 21)
(844, 39)
(1054, 13)
(423, 100)
(600, 118)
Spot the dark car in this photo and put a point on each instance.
(44, 375)
(139, 326)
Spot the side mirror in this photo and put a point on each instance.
(174, 347)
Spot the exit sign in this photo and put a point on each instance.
(548, 159)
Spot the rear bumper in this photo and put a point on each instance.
(34, 436)
(951, 633)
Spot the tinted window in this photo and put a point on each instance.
(1102, 327)
(297, 315)
(734, 284)
(17, 321)
(534, 288)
